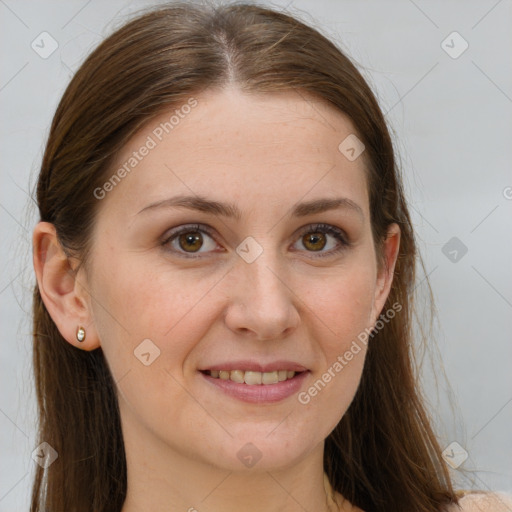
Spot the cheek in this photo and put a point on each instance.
(149, 319)
(137, 301)
(341, 319)
(343, 304)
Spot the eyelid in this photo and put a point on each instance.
(187, 228)
(329, 229)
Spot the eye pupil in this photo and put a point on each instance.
(190, 241)
(314, 238)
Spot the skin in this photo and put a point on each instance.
(265, 153)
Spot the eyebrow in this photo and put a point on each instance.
(230, 210)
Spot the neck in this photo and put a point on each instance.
(161, 478)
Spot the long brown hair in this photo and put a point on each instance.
(383, 455)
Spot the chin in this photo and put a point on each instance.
(265, 447)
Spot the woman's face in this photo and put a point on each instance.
(238, 241)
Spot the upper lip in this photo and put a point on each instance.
(255, 366)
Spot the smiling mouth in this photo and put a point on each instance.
(252, 378)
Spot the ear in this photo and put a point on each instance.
(64, 297)
(386, 270)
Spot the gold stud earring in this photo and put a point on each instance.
(80, 334)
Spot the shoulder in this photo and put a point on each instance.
(483, 502)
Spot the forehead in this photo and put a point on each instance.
(256, 149)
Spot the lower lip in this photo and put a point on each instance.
(259, 393)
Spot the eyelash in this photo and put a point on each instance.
(313, 228)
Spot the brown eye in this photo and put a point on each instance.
(187, 241)
(191, 241)
(323, 239)
(314, 241)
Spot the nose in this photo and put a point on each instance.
(262, 304)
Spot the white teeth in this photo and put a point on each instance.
(237, 376)
(281, 375)
(253, 378)
(269, 378)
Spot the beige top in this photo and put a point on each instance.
(469, 501)
(483, 502)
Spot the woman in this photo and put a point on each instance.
(225, 264)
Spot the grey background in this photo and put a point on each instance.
(452, 119)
